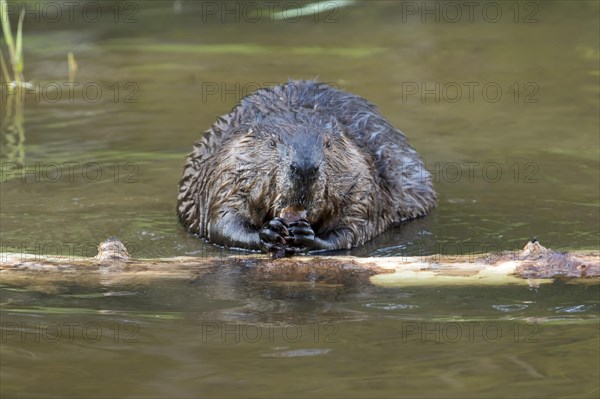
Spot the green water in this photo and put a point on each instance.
(507, 167)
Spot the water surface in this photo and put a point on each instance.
(507, 167)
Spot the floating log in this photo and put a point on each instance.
(533, 265)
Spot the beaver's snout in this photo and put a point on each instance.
(304, 172)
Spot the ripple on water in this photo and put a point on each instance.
(95, 295)
(297, 353)
(391, 306)
(510, 308)
(573, 309)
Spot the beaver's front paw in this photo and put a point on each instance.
(302, 235)
(273, 235)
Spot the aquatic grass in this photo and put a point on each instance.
(5, 74)
(13, 130)
(72, 66)
(12, 125)
(15, 46)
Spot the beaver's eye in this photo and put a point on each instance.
(272, 143)
(327, 143)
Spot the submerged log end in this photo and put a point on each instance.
(536, 261)
(112, 250)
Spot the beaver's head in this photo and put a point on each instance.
(302, 143)
(294, 155)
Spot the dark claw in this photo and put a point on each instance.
(270, 247)
(270, 236)
(273, 235)
(279, 225)
(302, 235)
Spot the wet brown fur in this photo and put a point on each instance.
(237, 177)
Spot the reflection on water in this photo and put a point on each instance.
(221, 335)
(104, 153)
(13, 132)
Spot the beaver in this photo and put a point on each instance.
(324, 158)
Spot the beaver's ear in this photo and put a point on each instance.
(250, 132)
(250, 129)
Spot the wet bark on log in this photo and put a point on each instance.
(534, 262)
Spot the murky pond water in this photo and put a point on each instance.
(503, 108)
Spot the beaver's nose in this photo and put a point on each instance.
(304, 172)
